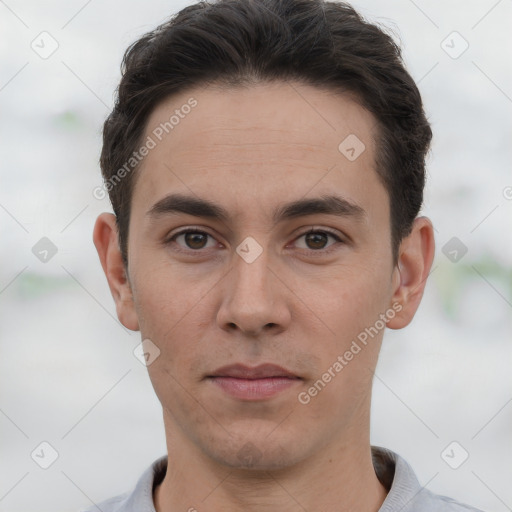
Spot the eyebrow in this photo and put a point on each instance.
(197, 207)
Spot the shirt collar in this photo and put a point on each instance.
(392, 470)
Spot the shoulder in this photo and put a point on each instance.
(405, 494)
(427, 501)
(115, 504)
(141, 497)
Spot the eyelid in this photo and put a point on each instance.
(181, 231)
(320, 229)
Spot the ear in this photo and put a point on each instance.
(415, 258)
(105, 237)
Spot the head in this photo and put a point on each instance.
(287, 137)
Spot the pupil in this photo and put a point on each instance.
(318, 240)
(195, 240)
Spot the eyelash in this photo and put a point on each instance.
(201, 232)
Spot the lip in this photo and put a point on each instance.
(258, 383)
(262, 371)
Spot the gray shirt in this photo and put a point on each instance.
(405, 493)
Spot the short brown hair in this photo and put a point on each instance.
(236, 42)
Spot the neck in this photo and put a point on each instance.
(339, 477)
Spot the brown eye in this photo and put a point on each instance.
(192, 240)
(317, 240)
(195, 240)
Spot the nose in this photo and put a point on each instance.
(254, 299)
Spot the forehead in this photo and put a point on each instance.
(256, 144)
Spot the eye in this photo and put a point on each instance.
(192, 239)
(318, 240)
(195, 240)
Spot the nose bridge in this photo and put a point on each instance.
(251, 280)
(252, 301)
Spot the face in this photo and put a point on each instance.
(290, 264)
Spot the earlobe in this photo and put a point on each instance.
(105, 239)
(410, 275)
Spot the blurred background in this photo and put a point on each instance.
(69, 378)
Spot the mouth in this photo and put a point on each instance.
(257, 383)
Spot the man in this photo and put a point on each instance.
(265, 160)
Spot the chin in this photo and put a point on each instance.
(256, 456)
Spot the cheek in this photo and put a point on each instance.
(351, 306)
(353, 299)
(165, 297)
(348, 305)
(351, 310)
(178, 398)
(181, 339)
(175, 315)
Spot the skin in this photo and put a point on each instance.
(299, 305)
